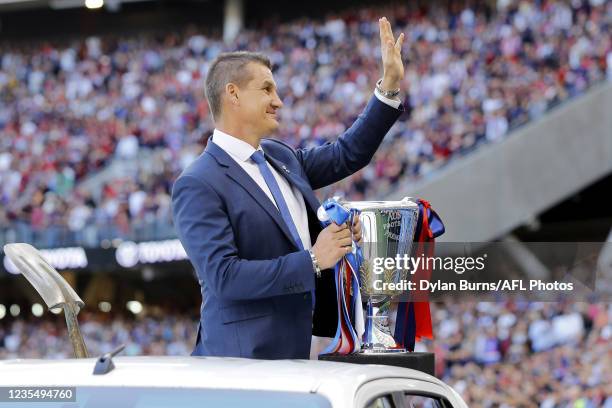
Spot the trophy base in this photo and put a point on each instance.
(424, 362)
(377, 350)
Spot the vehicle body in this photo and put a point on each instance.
(228, 382)
(146, 382)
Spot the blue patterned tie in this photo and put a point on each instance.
(258, 157)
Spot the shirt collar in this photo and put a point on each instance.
(234, 146)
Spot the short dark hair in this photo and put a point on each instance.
(230, 67)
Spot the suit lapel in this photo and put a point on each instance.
(237, 174)
(297, 181)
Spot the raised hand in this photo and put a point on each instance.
(391, 50)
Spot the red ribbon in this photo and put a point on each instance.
(422, 312)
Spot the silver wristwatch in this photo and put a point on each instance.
(387, 94)
(315, 263)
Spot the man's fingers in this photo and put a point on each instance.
(390, 31)
(356, 229)
(343, 251)
(345, 233)
(383, 30)
(386, 34)
(345, 242)
(333, 227)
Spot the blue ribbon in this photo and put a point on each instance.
(339, 214)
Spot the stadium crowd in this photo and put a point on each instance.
(70, 110)
(546, 355)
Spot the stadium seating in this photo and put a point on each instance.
(71, 109)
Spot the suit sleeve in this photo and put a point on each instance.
(327, 164)
(203, 226)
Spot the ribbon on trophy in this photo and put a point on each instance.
(350, 309)
(413, 320)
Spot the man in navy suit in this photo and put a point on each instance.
(245, 211)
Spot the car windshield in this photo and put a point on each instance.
(142, 397)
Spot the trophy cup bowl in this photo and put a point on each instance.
(388, 230)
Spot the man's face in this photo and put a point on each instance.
(259, 101)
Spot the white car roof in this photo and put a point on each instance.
(338, 382)
(200, 372)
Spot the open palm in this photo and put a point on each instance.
(391, 50)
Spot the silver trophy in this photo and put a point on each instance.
(388, 229)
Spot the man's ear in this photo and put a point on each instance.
(232, 91)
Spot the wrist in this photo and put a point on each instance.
(315, 263)
(389, 89)
(389, 83)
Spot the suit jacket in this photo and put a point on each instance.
(256, 284)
